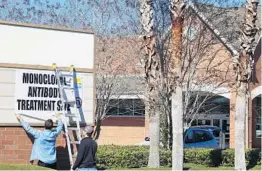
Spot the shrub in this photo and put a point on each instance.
(122, 156)
(228, 157)
(165, 157)
(252, 156)
(128, 156)
(209, 157)
(112, 156)
(190, 155)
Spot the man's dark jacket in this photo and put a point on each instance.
(86, 154)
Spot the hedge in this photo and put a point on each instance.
(253, 157)
(208, 157)
(122, 156)
(137, 156)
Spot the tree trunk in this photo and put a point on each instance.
(154, 124)
(97, 130)
(240, 163)
(177, 116)
(244, 70)
(152, 72)
(176, 73)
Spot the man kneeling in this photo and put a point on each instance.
(44, 148)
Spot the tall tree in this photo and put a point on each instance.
(243, 61)
(176, 9)
(152, 72)
(244, 69)
(200, 50)
(201, 73)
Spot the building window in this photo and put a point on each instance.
(126, 107)
(216, 105)
(210, 104)
(257, 109)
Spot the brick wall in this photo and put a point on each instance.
(16, 146)
(123, 130)
(121, 135)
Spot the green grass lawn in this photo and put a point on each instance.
(20, 167)
(187, 166)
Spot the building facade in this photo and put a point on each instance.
(127, 123)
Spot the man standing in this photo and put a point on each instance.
(44, 148)
(85, 159)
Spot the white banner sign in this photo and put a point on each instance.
(37, 93)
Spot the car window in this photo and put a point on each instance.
(202, 136)
(208, 136)
(189, 137)
(216, 133)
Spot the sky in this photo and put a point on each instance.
(226, 3)
(118, 20)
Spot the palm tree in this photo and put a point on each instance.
(176, 12)
(244, 69)
(152, 72)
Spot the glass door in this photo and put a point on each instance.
(216, 122)
(225, 129)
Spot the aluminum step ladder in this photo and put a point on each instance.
(66, 82)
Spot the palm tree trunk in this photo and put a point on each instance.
(152, 71)
(240, 163)
(244, 70)
(177, 116)
(177, 97)
(154, 125)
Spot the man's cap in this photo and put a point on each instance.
(88, 129)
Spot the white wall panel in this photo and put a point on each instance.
(37, 46)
